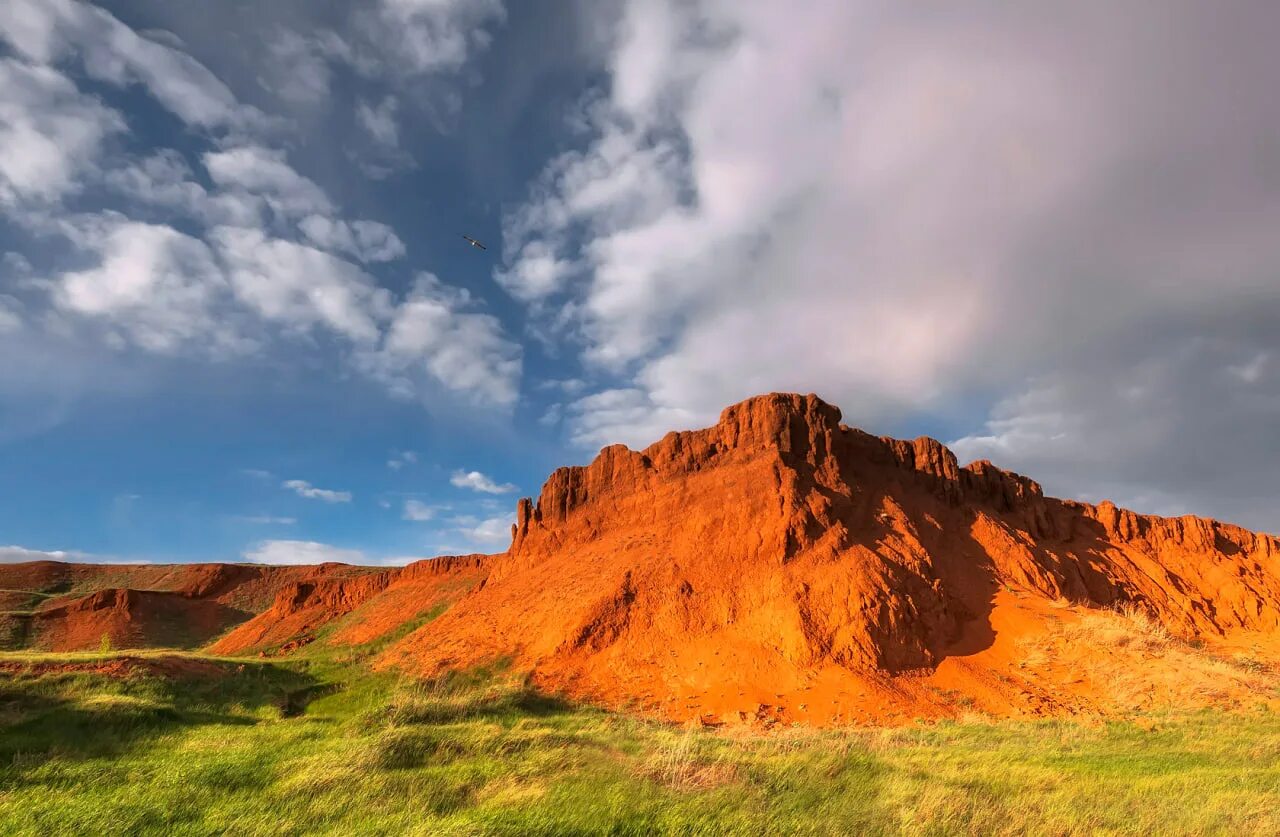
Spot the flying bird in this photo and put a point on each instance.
(475, 243)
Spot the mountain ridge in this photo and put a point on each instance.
(804, 549)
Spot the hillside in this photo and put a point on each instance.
(776, 568)
(364, 608)
(781, 566)
(55, 606)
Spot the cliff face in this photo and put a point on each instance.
(128, 619)
(779, 549)
(376, 603)
(67, 607)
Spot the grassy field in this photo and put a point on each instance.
(319, 745)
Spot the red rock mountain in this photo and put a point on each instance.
(54, 606)
(369, 606)
(776, 567)
(783, 566)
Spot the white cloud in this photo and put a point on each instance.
(299, 65)
(627, 416)
(418, 510)
(304, 489)
(218, 267)
(1165, 434)
(268, 520)
(476, 481)
(165, 181)
(493, 530)
(22, 555)
(368, 241)
(299, 286)
(51, 133)
(152, 286)
(301, 552)
(399, 459)
(228, 287)
(400, 40)
(434, 339)
(379, 121)
(49, 31)
(265, 173)
(569, 386)
(162, 179)
(900, 208)
(427, 36)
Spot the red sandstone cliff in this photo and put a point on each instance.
(783, 562)
(374, 604)
(66, 607)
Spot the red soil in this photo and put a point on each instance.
(377, 603)
(778, 567)
(142, 605)
(781, 566)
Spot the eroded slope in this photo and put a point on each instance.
(781, 565)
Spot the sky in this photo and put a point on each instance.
(239, 319)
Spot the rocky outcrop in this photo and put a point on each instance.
(125, 618)
(780, 545)
(392, 598)
(67, 607)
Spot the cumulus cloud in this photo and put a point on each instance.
(266, 173)
(476, 481)
(301, 552)
(299, 286)
(1138, 433)
(368, 241)
(163, 179)
(50, 131)
(418, 510)
(399, 459)
(152, 286)
(305, 489)
(490, 531)
(427, 36)
(409, 45)
(435, 339)
(52, 31)
(900, 208)
(629, 416)
(225, 265)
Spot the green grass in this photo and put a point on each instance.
(320, 744)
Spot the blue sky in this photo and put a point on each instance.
(238, 319)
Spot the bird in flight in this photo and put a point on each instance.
(475, 243)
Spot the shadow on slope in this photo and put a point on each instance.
(81, 707)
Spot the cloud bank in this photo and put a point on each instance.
(908, 208)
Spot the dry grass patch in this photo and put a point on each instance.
(1123, 660)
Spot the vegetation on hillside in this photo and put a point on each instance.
(167, 743)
